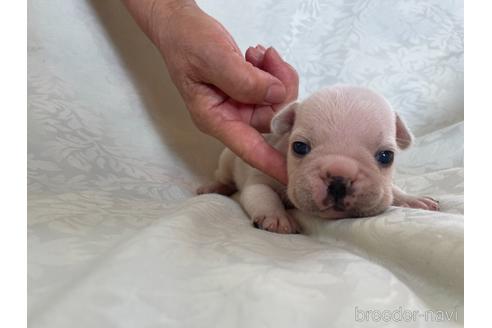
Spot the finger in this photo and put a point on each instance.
(250, 145)
(255, 55)
(258, 116)
(275, 65)
(261, 117)
(242, 81)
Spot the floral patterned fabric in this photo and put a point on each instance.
(116, 237)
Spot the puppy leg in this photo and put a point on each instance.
(266, 210)
(400, 198)
(224, 184)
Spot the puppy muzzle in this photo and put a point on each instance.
(337, 190)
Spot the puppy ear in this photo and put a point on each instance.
(404, 137)
(283, 120)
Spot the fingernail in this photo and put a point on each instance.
(275, 52)
(255, 53)
(260, 47)
(275, 94)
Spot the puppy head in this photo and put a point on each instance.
(341, 146)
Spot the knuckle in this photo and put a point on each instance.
(253, 84)
(247, 83)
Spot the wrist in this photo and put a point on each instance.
(161, 17)
(153, 16)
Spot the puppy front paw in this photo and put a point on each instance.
(279, 223)
(425, 203)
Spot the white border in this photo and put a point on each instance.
(478, 104)
(13, 103)
(478, 216)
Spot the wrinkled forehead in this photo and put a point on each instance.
(347, 116)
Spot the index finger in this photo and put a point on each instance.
(270, 61)
(251, 146)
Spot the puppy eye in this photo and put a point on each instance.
(385, 157)
(300, 148)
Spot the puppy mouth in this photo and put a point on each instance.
(339, 207)
(333, 212)
(334, 204)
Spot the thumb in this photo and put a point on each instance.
(243, 82)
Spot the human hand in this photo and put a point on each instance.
(228, 97)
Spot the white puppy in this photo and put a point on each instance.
(340, 144)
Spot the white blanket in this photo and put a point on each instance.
(116, 237)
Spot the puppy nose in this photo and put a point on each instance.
(337, 188)
(341, 167)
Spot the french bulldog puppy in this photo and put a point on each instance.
(340, 145)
